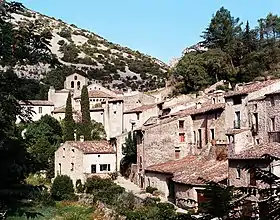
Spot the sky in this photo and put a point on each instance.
(160, 28)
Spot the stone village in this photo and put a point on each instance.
(180, 140)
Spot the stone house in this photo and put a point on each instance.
(75, 82)
(241, 116)
(135, 118)
(240, 176)
(189, 132)
(82, 159)
(38, 108)
(181, 181)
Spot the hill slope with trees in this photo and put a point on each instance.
(235, 52)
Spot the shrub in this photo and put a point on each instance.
(150, 189)
(113, 176)
(61, 42)
(79, 186)
(62, 185)
(66, 33)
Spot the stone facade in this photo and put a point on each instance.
(76, 159)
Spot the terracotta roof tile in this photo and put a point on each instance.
(203, 109)
(252, 87)
(257, 151)
(210, 170)
(92, 147)
(190, 169)
(36, 102)
(140, 108)
(97, 94)
(171, 166)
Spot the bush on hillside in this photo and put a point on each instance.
(150, 189)
(62, 187)
(79, 186)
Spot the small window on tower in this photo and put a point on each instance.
(75, 77)
(181, 124)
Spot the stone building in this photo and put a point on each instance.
(189, 132)
(242, 107)
(82, 159)
(38, 108)
(182, 180)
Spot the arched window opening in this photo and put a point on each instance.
(78, 84)
(72, 84)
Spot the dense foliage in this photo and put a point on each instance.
(234, 53)
(130, 153)
(69, 123)
(43, 137)
(62, 187)
(86, 122)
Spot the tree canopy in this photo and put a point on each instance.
(232, 52)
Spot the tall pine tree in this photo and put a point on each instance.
(86, 122)
(69, 122)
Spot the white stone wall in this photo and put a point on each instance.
(98, 159)
(157, 180)
(46, 110)
(97, 116)
(65, 156)
(74, 79)
(128, 118)
(95, 86)
(58, 98)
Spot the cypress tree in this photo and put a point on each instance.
(86, 122)
(69, 122)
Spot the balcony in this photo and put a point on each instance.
(274, 136)
(236, 124)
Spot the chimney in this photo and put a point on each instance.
(82, 138)
(198, 105)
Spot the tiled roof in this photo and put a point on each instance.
(172, 166)
(237, 131)
(36, 102)
(252, 87)
(140, 108)
(203, 109)
(96, 94)
(61, 110)
(273, 93)
(151, 121)
(190, 169)
(92, 147)
(209, 170)
(257, 151)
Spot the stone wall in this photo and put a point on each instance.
(184, 193)
(68, 158)
(159, 181)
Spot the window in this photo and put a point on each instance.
(63, 153)
(255, 107)
(59, 168)
(237, 100)
(104, 167)
(75, 77)
(138, 115)
(257, 141)
(182, 137)
(237, 120)
(140, 163)
(181, 124)
(252, 175)
(72, 84)
(212, 131)
(238, 173)
(72, 166)
(272, 102)
(199, 138)
(78, 84)
(177, 154)
(213, 100)
(98, 155)
(194, 137)
(93, 168)
(272, 124)
(73, 153)
(40, 110)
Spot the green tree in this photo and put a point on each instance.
(62, 187)
(194, 74)
(69, 123)
(43, 137)
(222, 30)
(86, 122)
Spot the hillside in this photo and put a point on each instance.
(89, 54)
